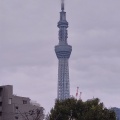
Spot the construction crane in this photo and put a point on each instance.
(78, 93)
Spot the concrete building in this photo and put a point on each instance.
(14, 107)
(63, 51)
(117, 112)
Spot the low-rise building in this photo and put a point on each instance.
(117, 112)
(14, 107)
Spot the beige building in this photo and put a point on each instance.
(14, 107)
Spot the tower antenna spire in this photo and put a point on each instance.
(63, 52)
(62, 5)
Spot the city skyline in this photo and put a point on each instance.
(28, 33)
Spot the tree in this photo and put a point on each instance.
(72, 109)
(35, 114)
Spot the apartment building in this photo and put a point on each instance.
(14, 107)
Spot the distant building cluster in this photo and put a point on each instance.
(14, 107)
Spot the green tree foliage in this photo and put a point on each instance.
(72, 109)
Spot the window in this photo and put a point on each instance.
(16, 109)
(16, 117)
(24, 101)
(10, 101)
(0, 113)
(0, 103)
(0, 91)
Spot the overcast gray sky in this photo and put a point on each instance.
(28, 34)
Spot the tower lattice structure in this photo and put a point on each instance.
(63, 52)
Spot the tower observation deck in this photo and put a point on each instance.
(63, 51)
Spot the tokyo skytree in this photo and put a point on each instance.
(63, 51)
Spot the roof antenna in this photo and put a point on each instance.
(62, 5)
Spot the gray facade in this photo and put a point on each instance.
(14, 107)
(117, 112)
(63, 52)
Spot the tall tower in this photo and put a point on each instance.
(63, 51)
